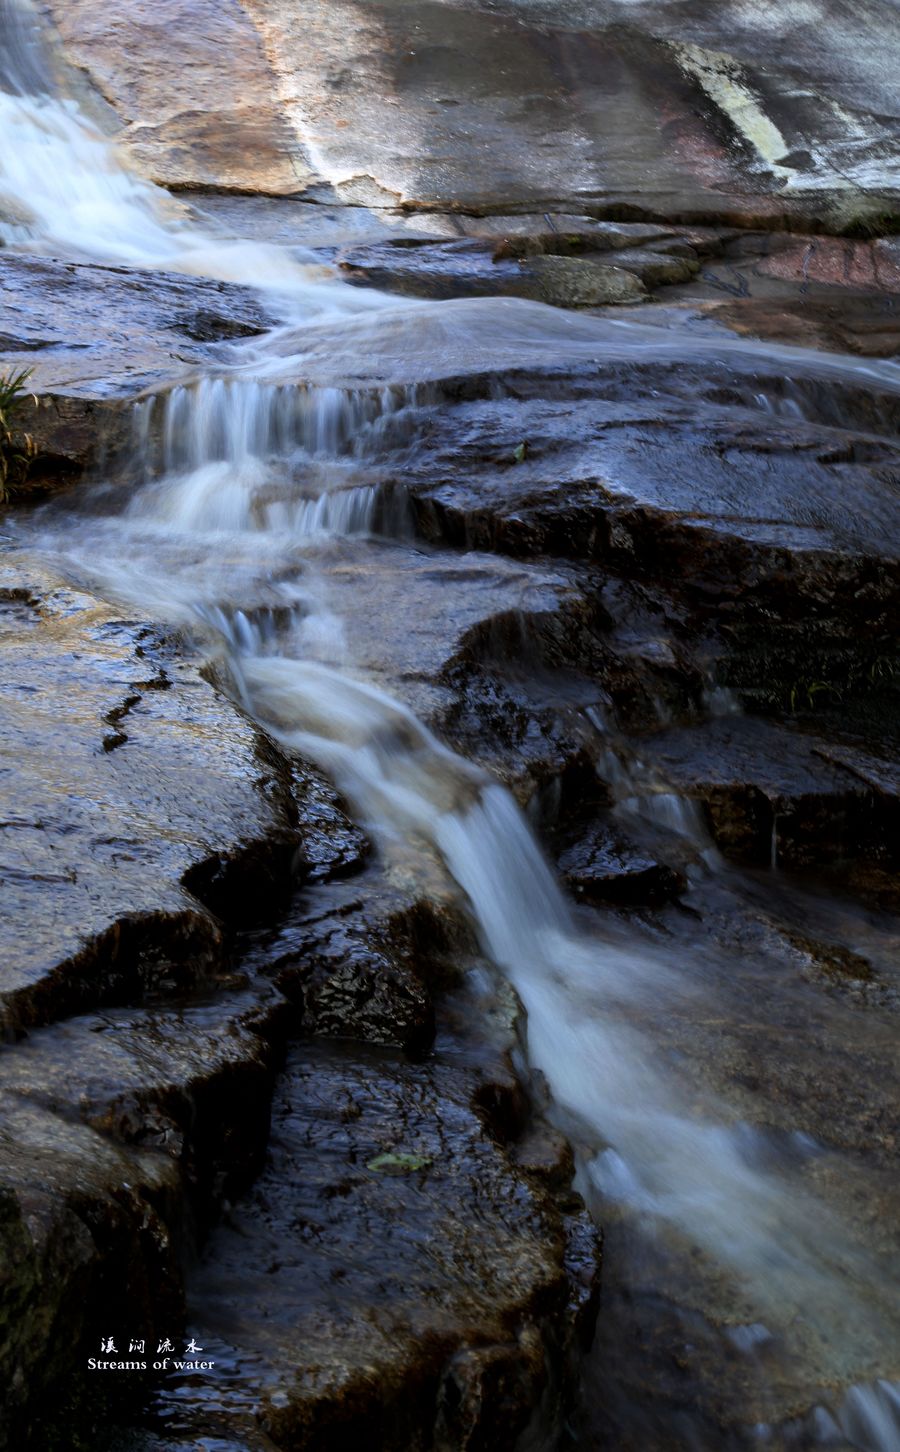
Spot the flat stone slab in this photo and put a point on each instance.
(111, 331)
(390, 1269)
(415, 612)
(602, 867)
(474, 269)
(133, 791)
(774, 795)
(737, 495)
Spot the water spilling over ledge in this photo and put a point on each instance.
(451, 559)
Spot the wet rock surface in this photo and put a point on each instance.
(597, 566)
(121, 1130)
(126, 1128)
(582, 558)
(134, 796)
(93, 338)
(473, 269)
(391, 1236)
(354, 964)
(110, 332)
(777, 795)
(599, 477)
(143, 821)
(603, 868)
(580, 262)
(608, 104)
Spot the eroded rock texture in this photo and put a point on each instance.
(146, 823)
(258, 1084)
(747, 111)
(133, 792)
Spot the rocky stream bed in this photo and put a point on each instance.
(520, 462)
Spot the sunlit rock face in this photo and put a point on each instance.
(191, 87)
(745, 109)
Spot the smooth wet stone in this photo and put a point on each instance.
(93, 338)
(462, 268)
(657, 268)
(448, 635)
(392, 1277)
(773, 795)
(415, 612)
(332, 845)
(845, 974)
(353, 968)
(836, 294)
(474, 269)
(110, 331)
(295, 222)
(582, 282)
(562, 235)
(83, 1241)
(739, 508)
(577, 265)
(136, 798)
(122, 1131)
(600, 867)
(734, 113)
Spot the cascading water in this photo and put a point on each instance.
(644, 1142)
(250, 469)
(64, 191)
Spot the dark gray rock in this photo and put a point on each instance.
(730, 496)
(600, 867)
(478, 269)
(121, 1133)
(435, 1289)
(773, 794)
(355, 971)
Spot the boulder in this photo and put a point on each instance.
(581, 282)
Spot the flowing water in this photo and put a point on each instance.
(253, 485)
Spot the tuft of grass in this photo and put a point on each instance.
(806, 692)
(15, 460)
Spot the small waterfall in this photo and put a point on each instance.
(652, 1150)
(721, 701)
(677, 814)
(236, 454)
(236, 419)
(348, 511)
(65, 190)
(786, 404)
(247, 456)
